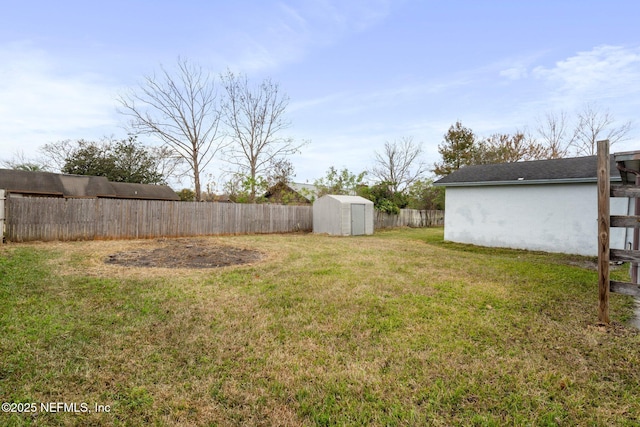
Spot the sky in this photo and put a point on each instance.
(358, 73)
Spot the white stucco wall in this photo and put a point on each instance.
(551, 218)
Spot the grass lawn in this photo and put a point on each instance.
(399, 328)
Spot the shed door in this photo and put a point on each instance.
(357, 220)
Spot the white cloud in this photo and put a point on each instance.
(295, 28)
(349, 16)
(515, 73)
(39, 104)
(605, 71)
(516, 67)
(316, 102)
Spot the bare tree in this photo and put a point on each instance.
(281, 170)
(55, 154)
(595, 124)
(20, 161)
(555, 134)
(399, 164)
(169, 162)
(183, 111)
(255, 117)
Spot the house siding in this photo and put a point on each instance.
(554, 218)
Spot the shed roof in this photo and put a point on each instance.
(554, 171)
(348, 199)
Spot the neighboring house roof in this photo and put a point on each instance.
(127, 190)
(303, 193)
(554, 171)
(307, 190)
(78, 186)
(85, 186)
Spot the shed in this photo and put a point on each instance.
(343, 215)
(546, 205)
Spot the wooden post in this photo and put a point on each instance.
(2, 214)
(636, 237)
(603, 230)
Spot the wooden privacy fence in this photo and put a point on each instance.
(409, 218)
(45, 219)
(48, 218)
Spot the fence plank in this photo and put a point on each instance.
(624, 255)
(625, 221)
(626, 288)
(625, 191)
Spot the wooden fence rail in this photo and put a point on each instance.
(47, 219)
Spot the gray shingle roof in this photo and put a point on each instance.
(128, 190)
(61, 185)
(577, 169)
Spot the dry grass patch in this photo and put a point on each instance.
(394, 329)
(151, 258)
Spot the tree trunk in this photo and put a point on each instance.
(196, 179)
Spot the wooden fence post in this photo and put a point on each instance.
(2, 216)
(603, 229)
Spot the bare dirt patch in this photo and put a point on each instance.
(185, 253)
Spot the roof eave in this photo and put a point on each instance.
(524, 182)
